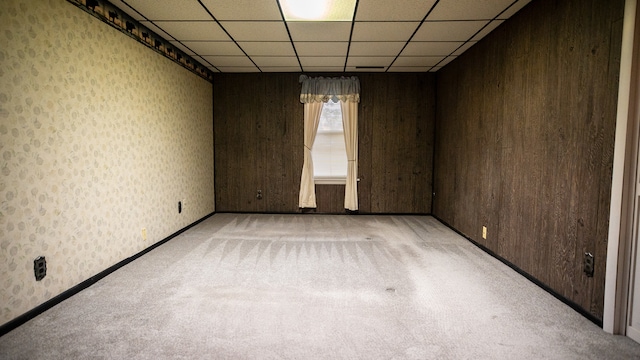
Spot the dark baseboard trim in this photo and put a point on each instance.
(20, 320)
(306, 211)
(545, 287)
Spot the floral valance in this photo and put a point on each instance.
(321, 89)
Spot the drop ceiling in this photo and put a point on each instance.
(252, 35)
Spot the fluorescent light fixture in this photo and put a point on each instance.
(318, 10)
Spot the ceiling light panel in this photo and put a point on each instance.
(170, 9)
(468, 9)
(387, 48)
(228, 48)
(383, 31)
(431, 48)
(256, 30)
(318, 10)
(329, 48)
(193, 30)
(448, 30)
(397, 10)
(243, 9)
(320, 31)
(262, 48)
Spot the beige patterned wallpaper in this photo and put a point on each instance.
(99, 138)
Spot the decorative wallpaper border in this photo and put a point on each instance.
(118, 19)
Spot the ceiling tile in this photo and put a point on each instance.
(387, 48)
(464, 48)
(320, 31)
(355, 69)
(448, 30)
(322, 61)
(170, 9)
(213, 47)
(468, 9)
(329, 48)
(417, 60)
(383, 31)
(487, 29)
(409, 68)
(193, 30)
(156, 30)
(514, 9)
(323, 68)
(447, 60)
(267, 48)
(256, 30)
(243, 9)
(431, 48)
(202, 61)
(280, 68)
(220, 61)
(238, 69)
(182, 47)
(275, 60)
(370, 61)
(397, 10)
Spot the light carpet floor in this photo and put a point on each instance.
(314, 287)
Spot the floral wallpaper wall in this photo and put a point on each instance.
(100, 137)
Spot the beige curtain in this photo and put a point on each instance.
(314, 93)
(350, 125)
(307, 197)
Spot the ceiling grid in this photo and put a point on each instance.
(254, 36)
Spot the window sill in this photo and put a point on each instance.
(329, 181)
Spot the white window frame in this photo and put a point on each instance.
(323, 179)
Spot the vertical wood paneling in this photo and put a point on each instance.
(259, 127)
(525, 135)
(397, 118)
(258, 131)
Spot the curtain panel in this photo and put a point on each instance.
(314, 93)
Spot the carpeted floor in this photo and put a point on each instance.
(314, 287)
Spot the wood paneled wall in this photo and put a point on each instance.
(525, 137)
(258, 144)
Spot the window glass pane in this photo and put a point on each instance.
(329, 153)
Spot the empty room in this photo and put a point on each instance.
(319, 179)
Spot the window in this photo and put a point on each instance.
(329, 152)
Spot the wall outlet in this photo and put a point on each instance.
(588, 264)
(144, 234)
(40, 267)
(484, 232)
